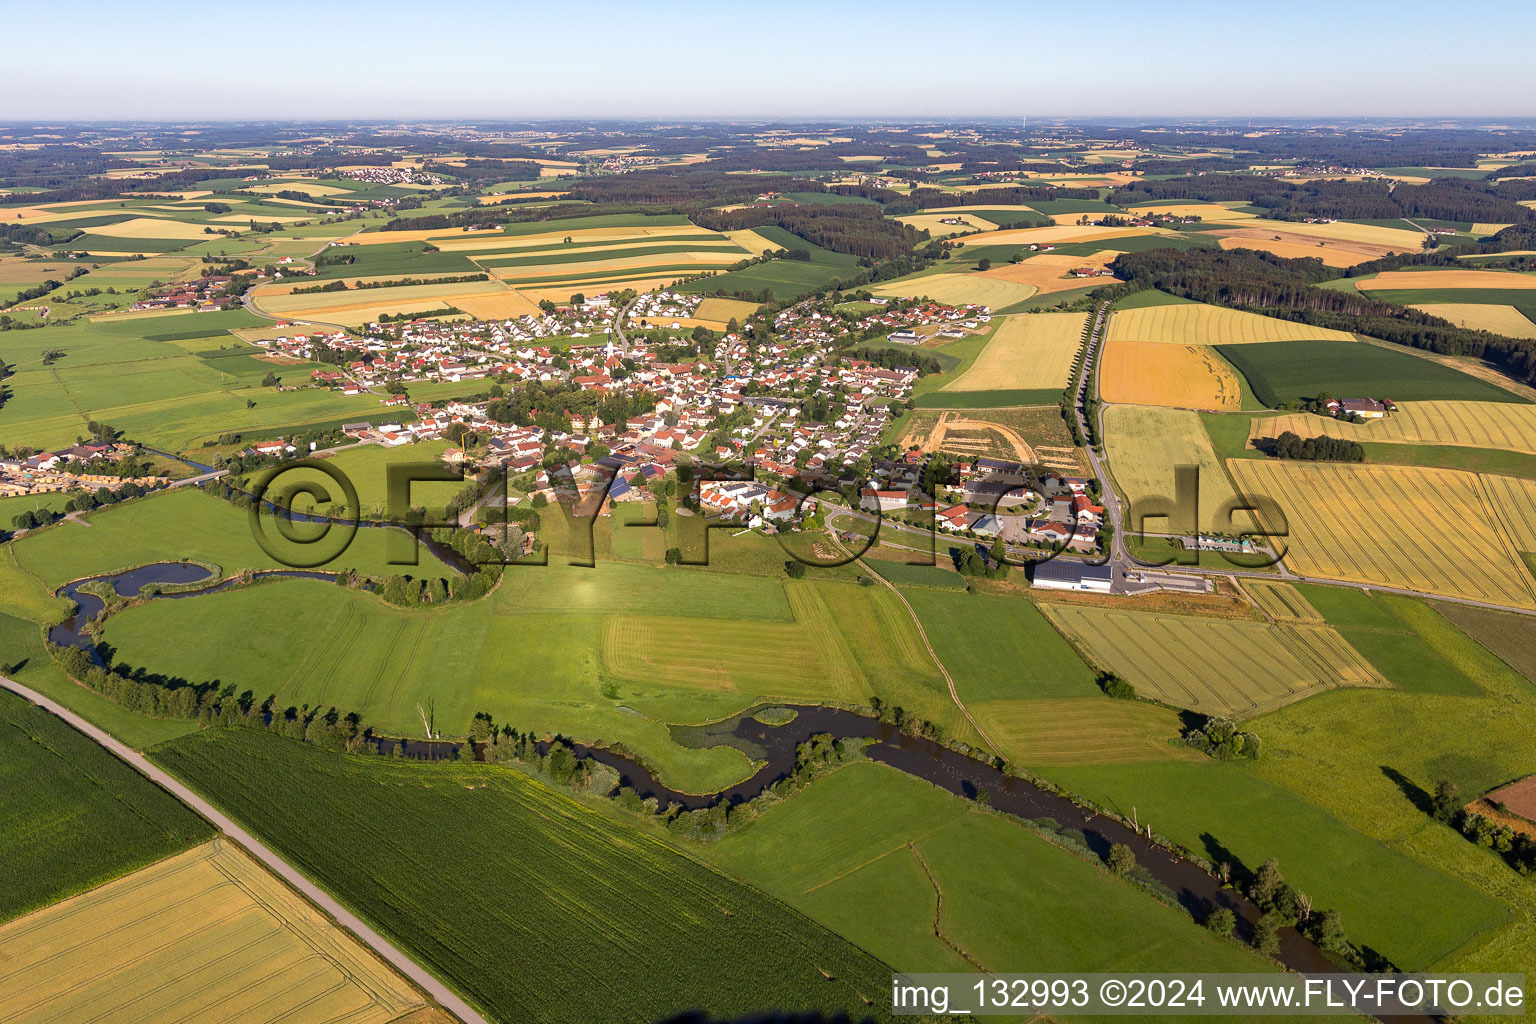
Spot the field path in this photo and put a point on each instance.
(390, 953)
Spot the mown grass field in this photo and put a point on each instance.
(1214, 666)
(531, 905)
(76, 816)
(1027, 352)
(207, 935)
(876, 850)
(1297, 370)
(1430, 530)
(1178, 376)
(1146, 443)
(1192, 323)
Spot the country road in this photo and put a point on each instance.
(372, 939)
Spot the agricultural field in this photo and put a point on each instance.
(1050, 273)
(1333, 252)
(1027, 352)
(1281, 601)
(1146, 443)
(206, 936)
(888, 861)
(1438, 278)
(1215, 667)
(579, 651)
(1516, 503)
(958, 289)
(1503, 425)
(543, 894)
(1297, 370)
(1193, 323)
(1177, 376)
(76, 816)
(1428, 530)
(1475, 316)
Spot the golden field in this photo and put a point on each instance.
(1419, 279)
(1213, 666)
(1193, 323)
(1179, 376)
(1477, 316)
(1333, 253)
(1428, 530)
(1145, 443)
(153, 227)
(1281, 601)
(933, 223)
(1506, 425)
(724, 310)
(1049, 272)
(958, 289)
(205, 936)
(1027, 352)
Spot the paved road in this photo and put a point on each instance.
(380, 945)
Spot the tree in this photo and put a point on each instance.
(795, 569)
(1121, 859)
(1221, 921)
(984, 264)
(1266, 935)
(270, 380)
(577, 298)
(1446, 803)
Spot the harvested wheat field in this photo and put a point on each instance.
(751, 241)
(519, 196)
(1506, 425)
(1402, 239)
(1515, 499)
(1205, 211)
(1477, 316)
(15, 270)
(1058, 233)
(418, 296)
(205, 936)
(1299, 247)
(422, 235)
(1145, 443)
(1179, 376)
(503, 305)
(153, 227)
(1193, 323)
(1415, 280)
(1429, 530)
(1052, 273)
(934, 224)
(705, 259)
(1214, 666)
(958, 290)
(495, 241)
(562, 292)
(313, 188)
(724, 310)
(1281, 601)
(1030, 351)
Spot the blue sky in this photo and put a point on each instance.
(460, 58)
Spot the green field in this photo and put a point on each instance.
(75, 816)
(612, 654)
(1289, 371)
(875, 849)
(531, 905)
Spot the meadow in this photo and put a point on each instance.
(1429, 530)
(531, 905)
(1177, 376)
(205, 936)
(889, 861)
(1297, 370)
(1027, 352)
(76, 816)
(1146, 443)
(1213, 666)
(1504, 425)
(1192, 323)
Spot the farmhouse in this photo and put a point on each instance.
(1059, 574)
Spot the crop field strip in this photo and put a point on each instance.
(1406, 280)
(958, 289)
(1192, 323)
(1026, 352)
(1429, 530)
(1515, 500)
(1214, 666)
(561, 897)
(1281, 601)
(205, 936)
(1504, 425)
(1280, 372)
(1177, 376)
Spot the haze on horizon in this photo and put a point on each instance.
(688, 59)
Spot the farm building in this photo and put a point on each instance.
(1058, 574)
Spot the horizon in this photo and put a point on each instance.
(350, 63)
